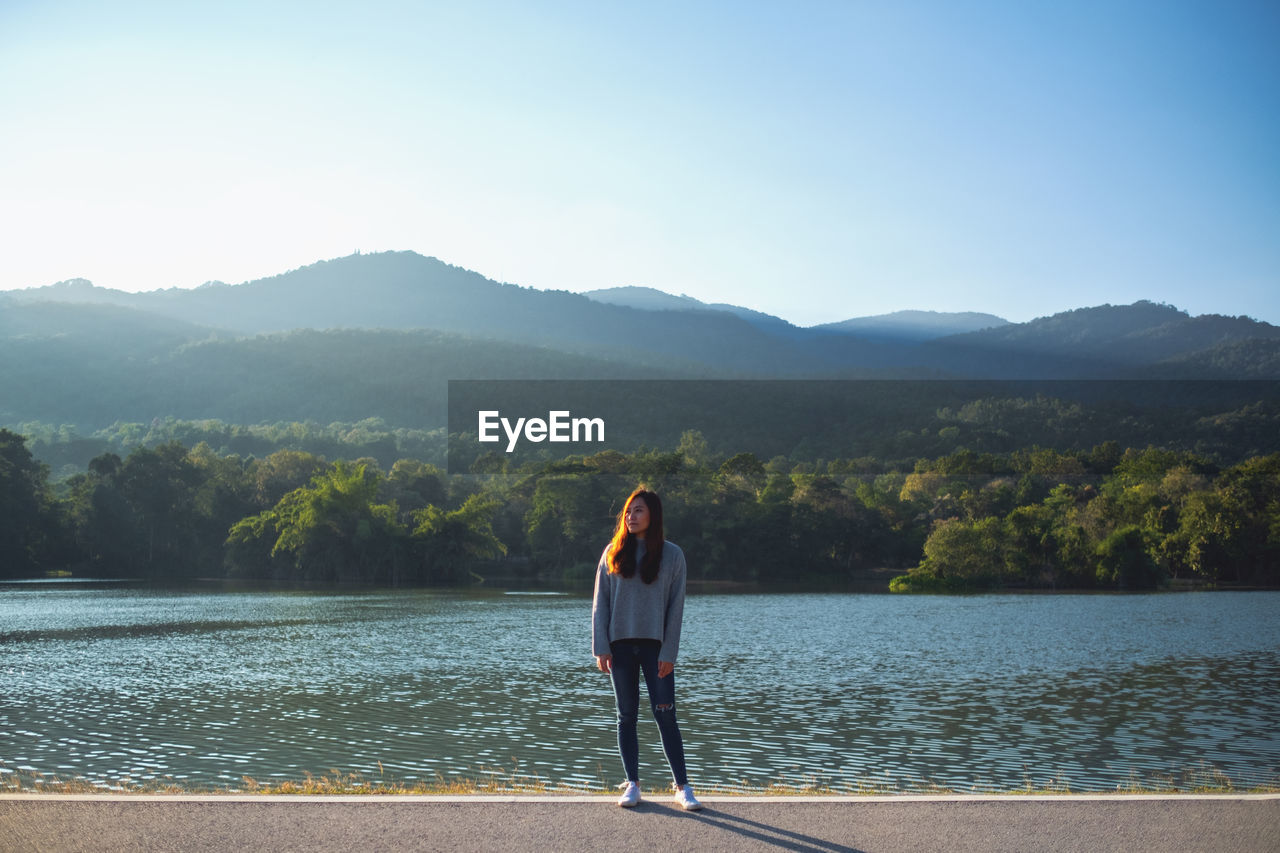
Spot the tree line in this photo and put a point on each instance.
(1107, 518)
(67, 450)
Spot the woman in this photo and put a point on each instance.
(635, 630)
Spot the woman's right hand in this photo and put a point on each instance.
(604, 662)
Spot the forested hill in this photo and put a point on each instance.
(404, 290)
(1142, 340)
(125, 370)
(379, 335)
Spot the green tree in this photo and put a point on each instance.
(741, 476)
(960, 555)
(140, 515)
(449, 544)
(27, 518)
(1232, 531)
(223, 495)
(160, 484)
(104, 524)
(568, 518)
(415, 485)
(334, 528)
(281, 473)
(1124, 561)
(1032, 551)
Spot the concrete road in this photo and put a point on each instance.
(1250, 824)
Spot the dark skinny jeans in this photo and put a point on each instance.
(631, 659)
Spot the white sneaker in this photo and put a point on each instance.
(631, 796)
(686, 799)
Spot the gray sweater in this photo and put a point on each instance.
(630, 609)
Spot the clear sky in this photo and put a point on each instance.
(815, 160)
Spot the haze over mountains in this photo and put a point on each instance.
(901, 325)
(389, 329)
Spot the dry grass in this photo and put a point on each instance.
(1201, 779)
(38, 783)
(487, 782)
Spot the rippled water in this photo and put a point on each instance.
(207, 687)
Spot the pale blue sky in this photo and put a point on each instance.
(815, 160)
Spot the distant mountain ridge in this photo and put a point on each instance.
(917, 325)
(904, 325)
(899, 325)
(404, 290)
(1141, 340)
(651, 299)
(648, 329)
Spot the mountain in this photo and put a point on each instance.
(379, 336)
(915, 325)
(650, 299)
(84, 379)
(647, 299)
(90, 331)
(404, 290)
(1231, 360)
(1141, 340)
(900, 326)
(95, 322)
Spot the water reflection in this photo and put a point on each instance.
(983, 692)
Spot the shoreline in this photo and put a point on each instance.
(608, 798)
(359, 787)
(872, 581)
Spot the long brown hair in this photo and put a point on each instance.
(622, 549)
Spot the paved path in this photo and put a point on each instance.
(1250, 824)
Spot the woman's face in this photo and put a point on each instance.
(637, 517)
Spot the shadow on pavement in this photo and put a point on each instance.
(784, 839)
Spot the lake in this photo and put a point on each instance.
(204, 686)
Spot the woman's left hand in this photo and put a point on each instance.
(665, 668)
